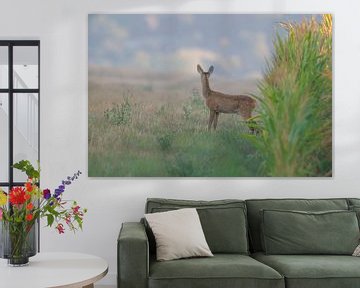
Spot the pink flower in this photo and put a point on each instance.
(68, 219)
(1, 212)
(60, 228)
(76, 209)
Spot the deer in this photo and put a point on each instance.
(218, 102)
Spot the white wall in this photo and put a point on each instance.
(61, 25)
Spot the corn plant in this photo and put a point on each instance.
(296, 102)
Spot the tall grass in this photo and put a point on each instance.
(134, 138)
(296, 102)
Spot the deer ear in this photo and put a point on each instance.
(211, 69)
(199, 69)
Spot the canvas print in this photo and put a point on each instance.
(210, 95)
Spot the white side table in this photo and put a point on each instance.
(50, 270)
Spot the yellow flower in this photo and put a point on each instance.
(3, 198)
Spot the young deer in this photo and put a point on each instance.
(224, 103)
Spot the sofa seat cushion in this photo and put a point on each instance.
(222, 270)
(313, 271)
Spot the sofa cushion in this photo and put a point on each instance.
(297, 232)
(223, 221)
(356, 209)
(353, 201)
(178, 234)
(313, 271)
(222, 270)
(254, 207)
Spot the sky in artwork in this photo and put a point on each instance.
(236, 44)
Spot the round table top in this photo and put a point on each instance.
(66, 269)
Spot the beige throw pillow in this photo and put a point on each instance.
(357, 251)
(178, 234)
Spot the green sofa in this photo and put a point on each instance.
(234, 230)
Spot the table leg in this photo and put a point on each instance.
(89, 286)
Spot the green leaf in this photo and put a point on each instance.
(50, 219)
(28, 168)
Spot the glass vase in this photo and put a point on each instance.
(18, 242)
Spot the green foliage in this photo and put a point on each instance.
(187, 111)
(296, 102)
(165, 141)
(26, 167)
(181, 166)
(119, 114)
(178, 149)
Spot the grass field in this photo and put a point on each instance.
(159, 128)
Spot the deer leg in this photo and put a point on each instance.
(211, 119)
(216, 119)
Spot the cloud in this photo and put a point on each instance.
(110, 46)
(262, 48)
(224, 42)
(235, 61)
(186, 18)
(113, 34)
(198, 36)
(253, 75)
(107, 26)
(184, 61)
(142, 59)
(257, 41)
(228, 63)
(152, 22)
(188, 58)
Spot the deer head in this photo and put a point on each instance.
(202, 73)
(205, 79)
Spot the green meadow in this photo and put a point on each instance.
(165, 138)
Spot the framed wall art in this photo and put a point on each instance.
(210, 95)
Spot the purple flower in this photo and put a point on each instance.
(58, 192)
(46, 194)
(68, 181)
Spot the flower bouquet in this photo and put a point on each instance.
(23, 206)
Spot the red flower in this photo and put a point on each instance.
(17, 196)
(29, 217)
(60, 228)
(27, 196)
(29, 206)
(28, 186)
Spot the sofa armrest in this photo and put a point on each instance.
(133, 256)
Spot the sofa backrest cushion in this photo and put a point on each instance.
(353, 202)
(223, 221)
(256, 205)
(298, 232)
(354, 205)
(356, 209)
